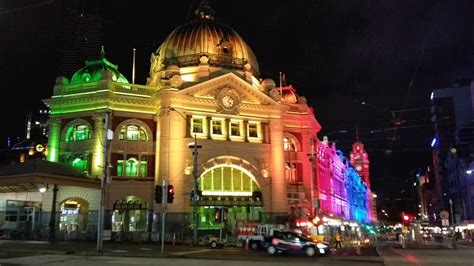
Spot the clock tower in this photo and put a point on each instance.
(360, 160)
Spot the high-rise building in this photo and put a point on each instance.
(81, 30)
(453, 148)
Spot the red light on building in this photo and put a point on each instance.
(406, 217)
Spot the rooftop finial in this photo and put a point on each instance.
(102, 52)
(205, 11)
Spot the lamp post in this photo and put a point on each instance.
(194, 146)
(108, 135)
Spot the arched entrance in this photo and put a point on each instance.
(74, 216)
(129, 217)
(229, 197)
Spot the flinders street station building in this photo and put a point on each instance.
(204, 119)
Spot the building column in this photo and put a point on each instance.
(277, 169)
(98, 153)
(54, 138)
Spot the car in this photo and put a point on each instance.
(291, 242)
(213, 241)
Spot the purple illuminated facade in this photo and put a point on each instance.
(343, 193)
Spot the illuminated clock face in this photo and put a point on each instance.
(228, 101)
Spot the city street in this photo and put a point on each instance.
(80, 253)
(463, 255)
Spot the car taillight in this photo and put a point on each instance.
(275, 242)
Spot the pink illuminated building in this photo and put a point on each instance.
(332, 181)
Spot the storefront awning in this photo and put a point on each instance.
(31, 175)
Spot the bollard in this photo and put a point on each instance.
(174, 239)
(358, 248)
(247, 244)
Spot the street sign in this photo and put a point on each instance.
(444, 214)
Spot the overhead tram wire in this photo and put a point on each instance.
(417, 67)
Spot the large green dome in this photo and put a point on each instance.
(96, 70)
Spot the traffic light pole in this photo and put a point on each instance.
(163, 215)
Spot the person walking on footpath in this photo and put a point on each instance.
(338, 240)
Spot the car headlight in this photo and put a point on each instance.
(319, 245)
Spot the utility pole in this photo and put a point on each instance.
(195, 148)
(452, 213)
(100, 225)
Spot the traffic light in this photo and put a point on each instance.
(158, 194)
(257, 195)
(170, 194)
(406, 219)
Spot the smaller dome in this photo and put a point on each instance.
(267, 85)
(289, 94)
(97, 70)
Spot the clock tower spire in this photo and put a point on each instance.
(360, 160)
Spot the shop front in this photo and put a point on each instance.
(73, 218)
(129, 218)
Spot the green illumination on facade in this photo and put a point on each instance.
(132, 166)
(78, 133)
(98, 70)
(53, 140)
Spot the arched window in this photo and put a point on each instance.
(78, 132)
(289, 144)
(132, 166)
(133, 133)
(225, 180)
(81, 162)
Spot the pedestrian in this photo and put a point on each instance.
(338, 240)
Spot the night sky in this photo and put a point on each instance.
(361, 64)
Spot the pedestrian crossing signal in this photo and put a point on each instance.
(170, 194)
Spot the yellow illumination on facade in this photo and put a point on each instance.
(254, 132)
(236, 130)
(218, 128)
(190, 78)
(199, 126)
(226, 193)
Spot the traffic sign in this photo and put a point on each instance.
(444, 214)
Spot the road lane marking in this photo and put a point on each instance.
(191, 252)
(119, 251)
